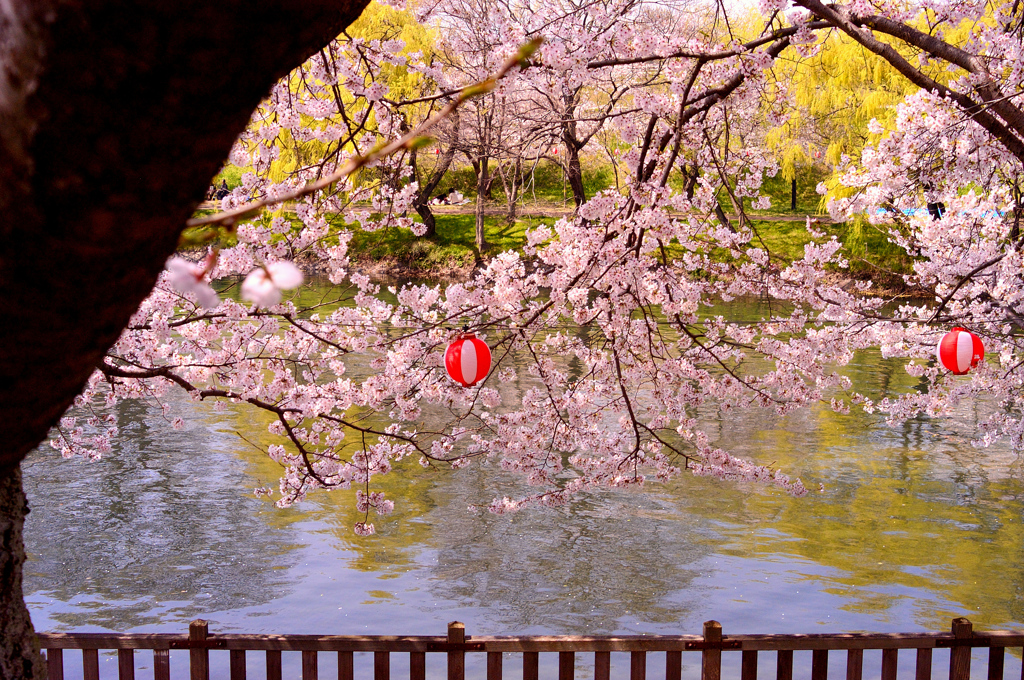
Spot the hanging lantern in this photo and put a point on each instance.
(960, 351)
(467, 360)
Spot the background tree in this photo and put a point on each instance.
(113, 118)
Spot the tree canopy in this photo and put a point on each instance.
(114, 118)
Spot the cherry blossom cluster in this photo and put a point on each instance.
(608, 350)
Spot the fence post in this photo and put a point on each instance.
(456, 659)
(126, 664)
(199, 655)
(55, 664)
(566, 665)
(711, 658)
(960, 657)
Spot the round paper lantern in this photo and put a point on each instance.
(467, 360)
(960, 351)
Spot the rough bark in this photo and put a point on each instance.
(513, 186)
(574, 172)
(114, 115)
(573, 145)
(427, 188)
(19, 651)
(482, 182)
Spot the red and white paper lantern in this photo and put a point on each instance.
(960, 351)
(467, 360)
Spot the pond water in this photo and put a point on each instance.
(914, 527)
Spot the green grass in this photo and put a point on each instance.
(808, 201)
(453, 247)
(870, 253)
(231, 173)
(544, 184)
(785, 240)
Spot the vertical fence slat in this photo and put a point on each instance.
(382, 666)
(345, 666)
(494, 660)
(126, 664)
(711, 659)
(819, 664)
(310, 671)
(274, 664)
(603, 666)
(200, 643)
(638, 666)
(91, 664)
(960, 657)
(237, 661)
(530, 666)
(566, 665)
(995, 663)
(55, 664)
(162, 664)
(889, 657)
(673, 665)
(924, 664)
(748, 670)
(457, 659)
(418, 666)
(854, 664)
(784, 666)
(199, 657)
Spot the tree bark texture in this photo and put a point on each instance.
(427, 187)
(573, 146)
(19, 652)
(574, 174)
(114, 116)
(481, 184)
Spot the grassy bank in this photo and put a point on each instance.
(452, 253)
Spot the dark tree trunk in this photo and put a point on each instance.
(512, 189)
(481, 183)
(19, 652)
(427, 215)
(573, 146)
(574, 174)
(691, 176)
(422, 203)
(114, 115)
(487, 183)
(792, 196)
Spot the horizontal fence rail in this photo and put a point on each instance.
(711, 646)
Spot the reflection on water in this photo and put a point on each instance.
(913, 527)
(158, 530)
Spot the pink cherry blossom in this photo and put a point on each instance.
(189, 278)
(263, 285)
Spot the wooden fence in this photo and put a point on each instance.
(960, 642)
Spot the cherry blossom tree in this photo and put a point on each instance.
(607, 317)
(956, 142)
(620, 266)
(638, 269)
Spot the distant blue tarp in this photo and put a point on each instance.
(925, 212)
